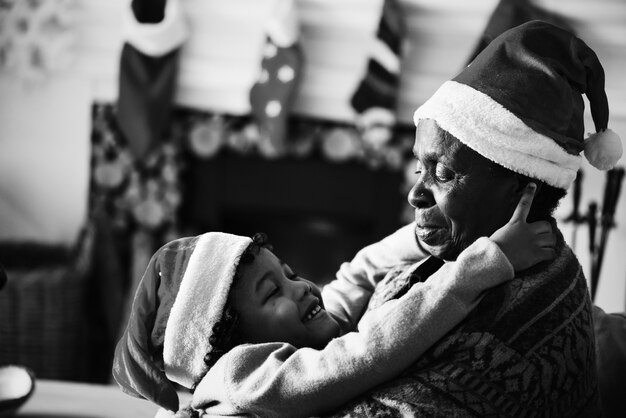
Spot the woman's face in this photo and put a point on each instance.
(457, 197)
(273, 304)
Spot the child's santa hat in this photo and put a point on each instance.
(519, 104)
(181, 296)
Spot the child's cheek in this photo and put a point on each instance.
(286, 312)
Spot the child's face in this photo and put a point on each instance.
(274, 305)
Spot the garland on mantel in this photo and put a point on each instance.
(133, 194)
(377, 147)
(147, 194)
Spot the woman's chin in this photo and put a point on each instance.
(443, 251)
(434, 240)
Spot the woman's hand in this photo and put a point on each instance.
(526, 244)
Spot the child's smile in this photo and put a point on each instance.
(275, 305)
(313, 313)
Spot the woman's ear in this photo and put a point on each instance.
(520, 184)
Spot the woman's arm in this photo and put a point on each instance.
(276, 379)
(346, 297)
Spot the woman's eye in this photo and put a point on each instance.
(443, 174)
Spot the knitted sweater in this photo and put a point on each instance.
(277, 379)
(527, 350)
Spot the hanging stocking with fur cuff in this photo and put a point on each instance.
(154, 32)
(376, 96)
(272, 96)
(511, 13)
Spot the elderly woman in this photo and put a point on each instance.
(512, 116)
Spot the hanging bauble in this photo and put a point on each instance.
(340, 144)
(207, 137)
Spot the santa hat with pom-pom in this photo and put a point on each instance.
(180, 298)
(519, 103)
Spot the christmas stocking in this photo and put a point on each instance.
(154, 32)
(511, 13)
(272, 96)
(376, 96)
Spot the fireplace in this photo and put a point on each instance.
(317, 213)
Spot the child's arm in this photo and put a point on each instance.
(346, 297)
(278, 379)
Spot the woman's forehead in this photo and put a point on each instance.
(432, 141)
(433, 144)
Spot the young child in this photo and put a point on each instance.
(222, 315)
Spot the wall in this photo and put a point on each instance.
(44, 129)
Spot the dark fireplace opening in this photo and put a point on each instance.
(316, 213)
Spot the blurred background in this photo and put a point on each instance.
(243, 139)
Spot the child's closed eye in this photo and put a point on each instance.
(273, 291)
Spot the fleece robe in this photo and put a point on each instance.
(278, 379)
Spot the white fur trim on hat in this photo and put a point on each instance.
(199, 305)
(496, 133)
(156, 39)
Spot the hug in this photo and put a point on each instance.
(477, 308)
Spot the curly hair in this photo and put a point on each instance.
(222, 337)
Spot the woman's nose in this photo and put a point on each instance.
(419, 196)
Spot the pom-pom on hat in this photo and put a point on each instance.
(519, 103)
(181, 296)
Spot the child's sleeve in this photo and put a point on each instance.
(276, 379)
(346, 297)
